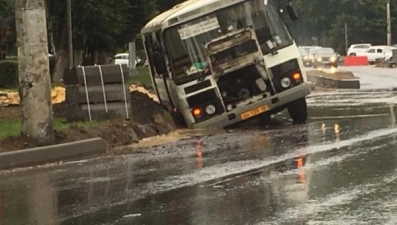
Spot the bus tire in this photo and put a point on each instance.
(298, 111)
(264, 119)
(178, 120)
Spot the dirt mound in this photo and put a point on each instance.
(148, 118)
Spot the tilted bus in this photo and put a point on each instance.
(219, 62)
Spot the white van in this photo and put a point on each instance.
(123, 58)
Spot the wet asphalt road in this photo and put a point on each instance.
(339, 168)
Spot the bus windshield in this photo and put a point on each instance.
(185, 42)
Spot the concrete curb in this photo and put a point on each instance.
(334, 83)
(53, 153)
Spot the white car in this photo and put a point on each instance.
(308, 48)
(123, 58)
(357, 49)
(378, 52)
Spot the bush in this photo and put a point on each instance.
(8, 74)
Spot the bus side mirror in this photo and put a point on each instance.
(292, 13)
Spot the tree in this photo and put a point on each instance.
(99, 28)
(323, 21)
(7, 25)
(164, 5)
(33, 68)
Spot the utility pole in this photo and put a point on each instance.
(346, 43)
(131, 58)
(70, 34)
(389, 41)
(33, 69)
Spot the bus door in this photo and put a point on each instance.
(158, 68)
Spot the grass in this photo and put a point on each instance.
(142, 77)
(8, 89)
(13, 127)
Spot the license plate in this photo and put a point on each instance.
(254, 112)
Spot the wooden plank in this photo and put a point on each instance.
(111, 75)
(98, 111)
(76, 94)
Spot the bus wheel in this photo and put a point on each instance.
(264, 119)
(178, 119)
(298, 111)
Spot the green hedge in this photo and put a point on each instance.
(8, 74)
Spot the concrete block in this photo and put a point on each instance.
(98, 111)
(53, 153)
(323, 81)
(111, 75)
(76, 94)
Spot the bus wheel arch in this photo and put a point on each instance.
(298, 111)
(178, 119)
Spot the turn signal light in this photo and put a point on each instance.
(196, 112)
(296, 76)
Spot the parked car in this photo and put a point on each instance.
(311, 54)
(357, 49)
(325, 57)
(308, 48)
(305, 57)
(378, 52)
(123, 58)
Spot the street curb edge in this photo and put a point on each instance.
(52, 153)
(334, 83)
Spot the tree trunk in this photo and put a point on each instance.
(61, 63)
(96, 57)
(103, 57)
(33, 68)
(78, 57)
(62, 55)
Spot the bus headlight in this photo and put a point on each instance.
(333, 59)
(210, 109)
(285, 82)
(319, 59)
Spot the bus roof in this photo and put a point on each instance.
(187, 9)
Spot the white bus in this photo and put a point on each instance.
(220, 62)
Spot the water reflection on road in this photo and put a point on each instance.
(338, 168)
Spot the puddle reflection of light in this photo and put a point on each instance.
(300, 163)
(333, 70)
(199, 154)
(301, 171)
(337, 131)
(323, 128)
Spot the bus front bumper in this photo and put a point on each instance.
(271, 103)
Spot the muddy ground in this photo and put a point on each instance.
(148, 119)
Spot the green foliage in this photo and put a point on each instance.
(322, 22)
(8, 74)
(142, 77)
(13, 127)
(100, 25)
(164, 5)
(10, 128)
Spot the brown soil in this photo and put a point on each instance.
(148, 119)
